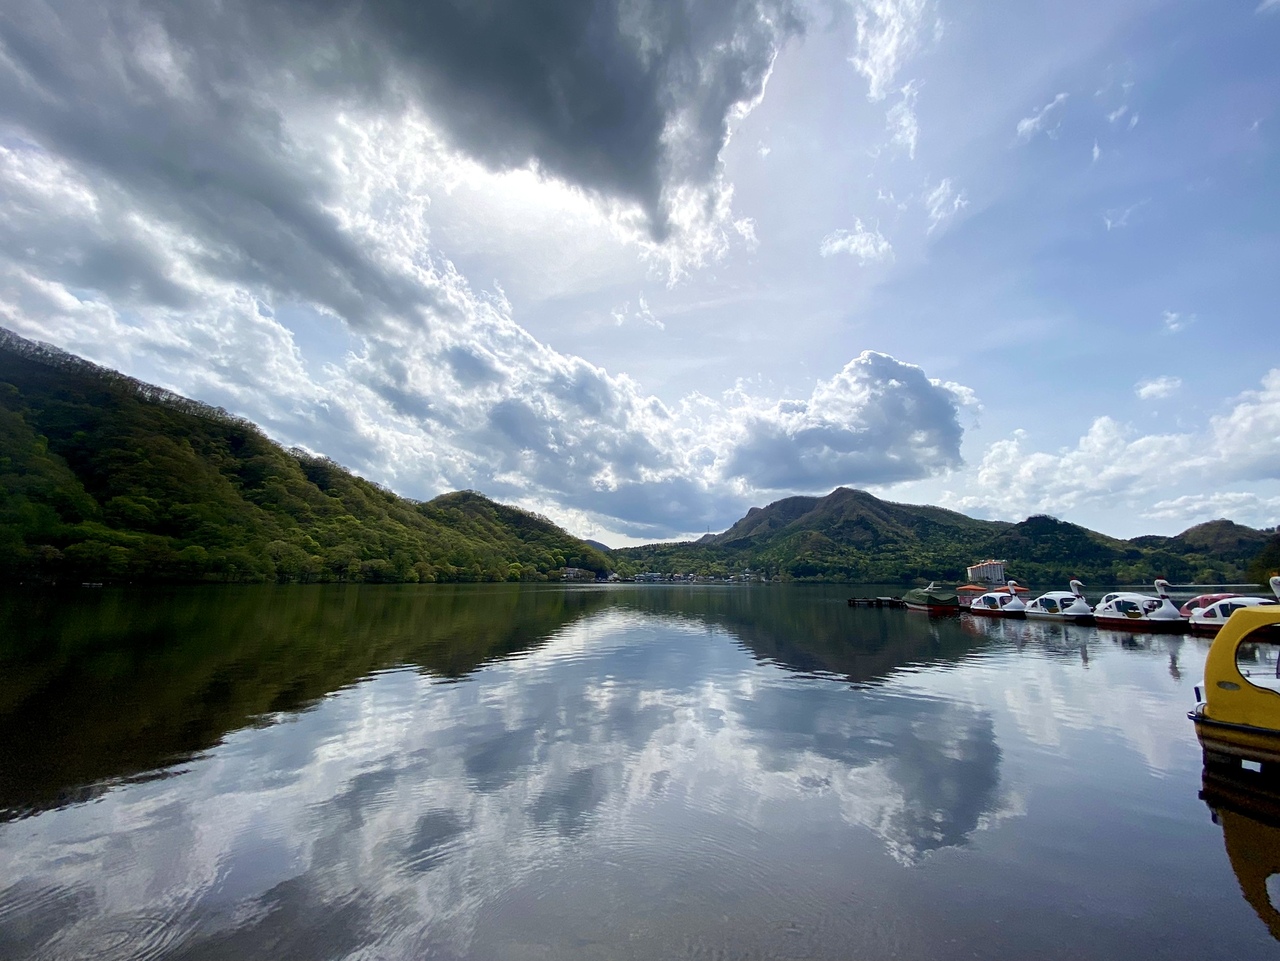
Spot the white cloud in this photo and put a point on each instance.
(879, 419)
(642, 314)
(1174, 322)
(1266, 5)
(1117, 113)
(1097, 152)
(1194, 508)
(1157, 388)
(1119, 216)
(1113, 465)
(446, 390)
(889, 33)
(902, 122)
(1028, 127)
(944, 202)
(1246, 440)
(865, 244)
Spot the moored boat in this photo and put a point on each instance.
(1002, 603)
(1211, 618)
(1201, 601)
(1062, 606)
(1130, 611)
(1237, 715)
(932, 600)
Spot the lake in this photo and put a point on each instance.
(639, 771)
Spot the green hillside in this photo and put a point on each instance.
(851, 535)
(104, 478)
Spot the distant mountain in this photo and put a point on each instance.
(1221, 537)
(853, 518)
(602, 548)
(105, 478)
(854, 536)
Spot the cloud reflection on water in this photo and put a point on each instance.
(393, 812)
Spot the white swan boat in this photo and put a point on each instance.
(1062, 606)
(1131, 611)
(1209, 619)
(1001, 603)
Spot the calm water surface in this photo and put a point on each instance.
(635, 772)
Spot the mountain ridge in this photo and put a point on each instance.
(105, 477)
(853, 535)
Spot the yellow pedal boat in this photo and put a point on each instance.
(1238, 714)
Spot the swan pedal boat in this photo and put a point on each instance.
(1002, 603)
(1130, 611)
(1069, 606)
(1210, 618)
(1237, 715)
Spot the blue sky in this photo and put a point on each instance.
(641, 265)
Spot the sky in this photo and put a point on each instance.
(640, 265)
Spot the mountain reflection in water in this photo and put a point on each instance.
(505, 771)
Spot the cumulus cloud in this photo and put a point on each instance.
(1114, 464)
(878, 419)
(185, 189)
(862, 243)
(1157, 388)
(1028, 127)
(1174, 321)
(194, 108)
(1192, 508)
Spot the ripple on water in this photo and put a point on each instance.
(137, 937)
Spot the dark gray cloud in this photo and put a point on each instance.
(627, 98)
(185, 105)
(183, 165)
(183, 130)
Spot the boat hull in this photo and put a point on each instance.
(992, 612)
(938, 610)
(1225, 741)
(1205, 629)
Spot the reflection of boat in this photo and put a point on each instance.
(1247, 807)
(1210, 619)
(1002, 603)
(1238, 714)
(1062, 606)
(933, 599)
(1140, 612)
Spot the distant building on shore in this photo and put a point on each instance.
(987, 572)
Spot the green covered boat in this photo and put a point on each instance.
(934, 600)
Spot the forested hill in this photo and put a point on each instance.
(105, 478)
(852, 535)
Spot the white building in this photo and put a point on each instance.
(987, 572)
